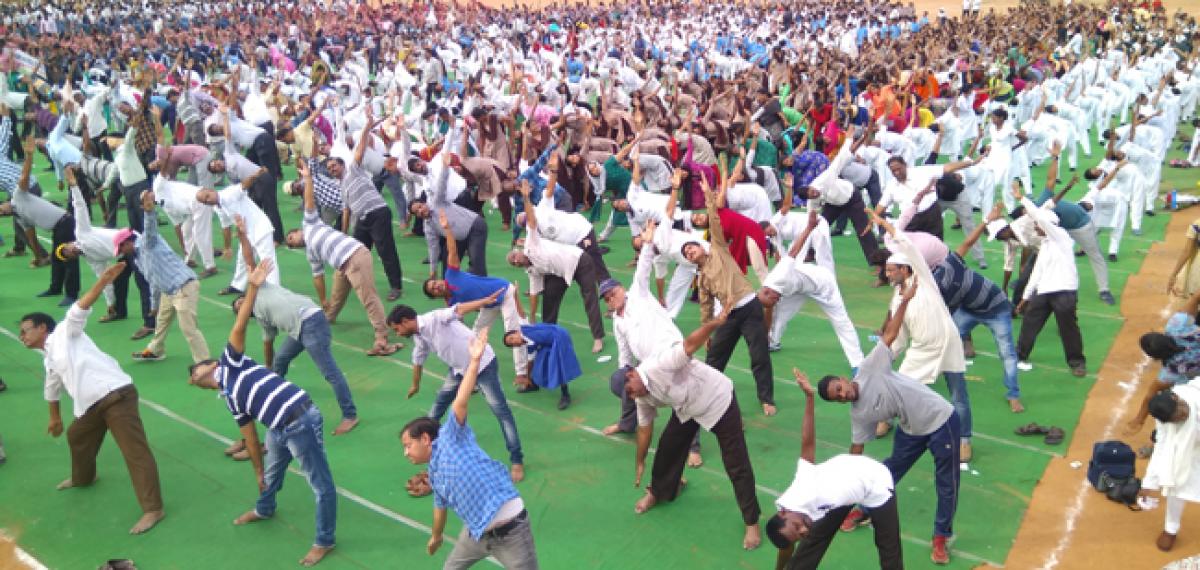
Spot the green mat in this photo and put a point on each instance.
(579, 489)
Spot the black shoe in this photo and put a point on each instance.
(603, 250)
(48, 293)
(564, 402)
(229, 291)
(1080, 253)
(1112, 257)
(1150, 213)
(1107, 297)
(67, 301)
(531, 387)
(3, 386)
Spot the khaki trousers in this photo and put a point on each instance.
(181, 304)
(358, 273)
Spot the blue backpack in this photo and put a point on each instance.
(1112, 457)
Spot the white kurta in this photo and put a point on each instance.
(1175, 465)
(933, 343)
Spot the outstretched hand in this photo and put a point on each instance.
(479, 343)
(260, 273)
(802, 381)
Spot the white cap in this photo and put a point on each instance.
(898, 258)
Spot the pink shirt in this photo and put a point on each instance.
(189, 154)
(932, 249)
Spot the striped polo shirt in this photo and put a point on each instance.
(961, 287)
(359, 193)
(323, 244)
(254, 392)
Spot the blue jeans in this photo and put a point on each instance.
(943, 445)
(301, 439)
(956, 382)
(489, 383)
(315, 337)
(999, 322)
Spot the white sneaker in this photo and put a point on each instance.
(774, 347)
(1023, 365)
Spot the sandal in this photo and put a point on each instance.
(385, 349)
(1055, 436)
(1032, 429)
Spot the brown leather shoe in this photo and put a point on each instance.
(1165, 542)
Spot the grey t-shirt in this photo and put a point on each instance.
(278, 309)
(35, 211)
(884, 394)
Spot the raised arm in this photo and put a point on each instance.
(459, 407)
(462, 309)
(699, 337)
(808, 426)
(716, 234)
(530, 215)
(892, 330)
(89, 298)
(452, 259)
(302, 168)
(237, 335)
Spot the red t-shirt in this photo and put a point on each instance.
(737, 228)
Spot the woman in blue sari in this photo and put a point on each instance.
(552, 362)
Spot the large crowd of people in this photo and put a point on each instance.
(728, 143)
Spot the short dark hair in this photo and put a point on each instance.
(1163, 405)
(422, 426)
(425, 287)
(233, 304)
(192, 367)
(401, 313)
(40, 320)
(823, 387)
(896, 159)
(775, 532)
(1001, 112)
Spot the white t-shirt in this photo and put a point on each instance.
(837, 482)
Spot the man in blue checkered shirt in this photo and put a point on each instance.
(464, 478)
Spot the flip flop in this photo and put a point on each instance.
(1055, 436)
(385, 350)
(1033, 429)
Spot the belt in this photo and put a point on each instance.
(298, 411)
(503, 530)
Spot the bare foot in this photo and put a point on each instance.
(147, 522)
(247, 518)
(1016, 406)
(645, 503)
(769, 410)
(694, 460)
(517, 473)
(611, 429)
(597, 345)
(237, 446)
(346, 425)
(315, 554)
(753, 537)
(68, 484)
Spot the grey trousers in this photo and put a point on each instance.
(514, 551)
(962, 210)
(1085, 237)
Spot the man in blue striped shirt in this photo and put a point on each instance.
(174, 290)
(253, 392)
(464, 478)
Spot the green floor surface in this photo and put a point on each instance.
(579, 490)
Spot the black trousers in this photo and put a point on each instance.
(746, 322)
(554, 288)
(885, 519)
(265, 194)
(591, 248)
(375, 230)
(855, 209)
(121, 293)
(264, 153)
(101, 146)
(874, 192)
(928, 221)
(133, 205)
(1037, 311)
(64, 275)
(671, 458)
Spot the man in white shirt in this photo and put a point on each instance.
(104, 400)
(231, 203)
(1053, 287)
(821, 495)
(793, 281)
(443, 333)
(699, 396)
(552, 267)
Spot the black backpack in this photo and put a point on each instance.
(1113, 458)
